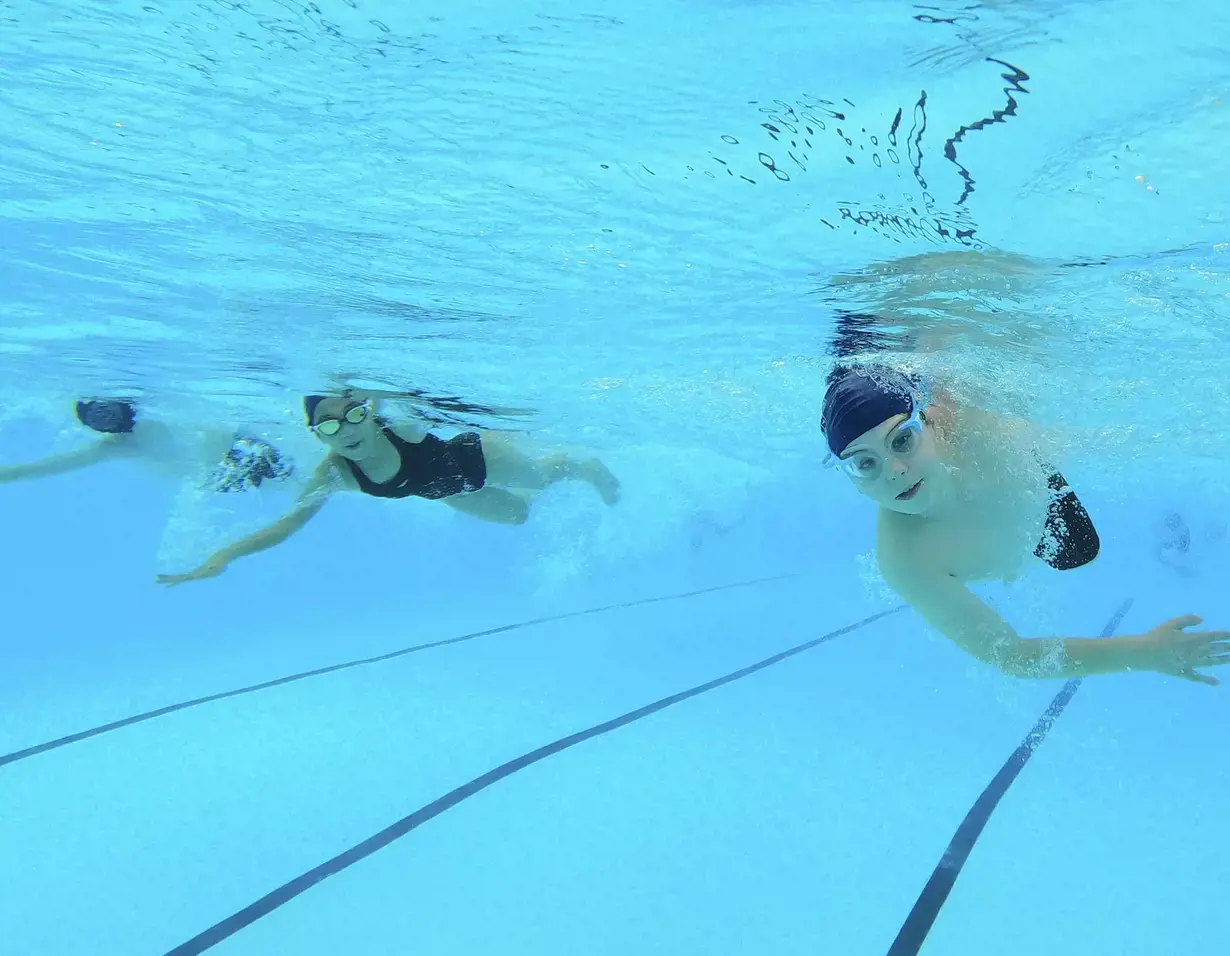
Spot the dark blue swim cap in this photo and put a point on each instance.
(309, 405)
(110, 416)
(859, 399)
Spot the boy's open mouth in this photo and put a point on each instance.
(910, 492)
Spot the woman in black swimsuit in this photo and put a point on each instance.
(481, 474)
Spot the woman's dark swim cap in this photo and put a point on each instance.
(309, 405)
(110, 416)
(859, 399)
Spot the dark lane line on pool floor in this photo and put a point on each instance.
(922, 917)
(305, 881)
(55, 744)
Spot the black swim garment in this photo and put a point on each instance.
(1070, 541)
(247, 463)
(430, 468)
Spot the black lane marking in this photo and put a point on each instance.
(923, 915)
(277, 682)
(305, 881)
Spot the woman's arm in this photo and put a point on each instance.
(310, 502)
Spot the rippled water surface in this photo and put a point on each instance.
(637, 208)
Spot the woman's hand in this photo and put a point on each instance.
(1171, 649)
(214, 566)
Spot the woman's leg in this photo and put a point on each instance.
(509, 467)
(493, 504)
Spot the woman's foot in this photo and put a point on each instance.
(602, 479)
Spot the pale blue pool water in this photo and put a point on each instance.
(219, 206)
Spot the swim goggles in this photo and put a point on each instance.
(331, 426)
(902, 442)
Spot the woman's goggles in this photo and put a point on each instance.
(331, 426)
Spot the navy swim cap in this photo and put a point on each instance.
(859, 399)
(309, 405)
(110, 416)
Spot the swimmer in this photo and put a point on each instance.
(235, 462)
(480, 474)
(963, 496)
